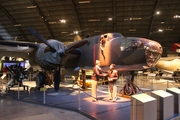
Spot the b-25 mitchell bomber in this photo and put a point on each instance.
(128, 53)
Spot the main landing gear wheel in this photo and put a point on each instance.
(128, 90)
(41, 80)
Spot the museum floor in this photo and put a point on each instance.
(73, 103)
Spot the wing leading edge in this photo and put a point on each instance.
(17, 49)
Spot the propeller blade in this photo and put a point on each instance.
(48, 49)
(79, 44)
(41, 38)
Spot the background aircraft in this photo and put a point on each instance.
(168, 66)
(128, 53)
(176, 47)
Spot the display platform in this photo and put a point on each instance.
(68, 97)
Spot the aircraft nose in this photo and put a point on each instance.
(153, 51)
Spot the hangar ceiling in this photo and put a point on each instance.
(138, 18)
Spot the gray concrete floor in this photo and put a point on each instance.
(30, 106)
(19, 110)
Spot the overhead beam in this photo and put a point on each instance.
(114, 15)
(13, 21)
(152, 18)
(75, 13)
(43, 19)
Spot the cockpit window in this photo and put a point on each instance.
(105, 38)
(115, 35)
(130, 44)
(111, 36)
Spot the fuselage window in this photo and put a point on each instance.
(130, 44)
(103, 40)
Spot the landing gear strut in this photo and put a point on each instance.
(129, 88)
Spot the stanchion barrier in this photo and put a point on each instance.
(18, 90)
(134, 109)
(44, 95)
(1, 88)
(167, 84)
(79, 103)
(152, 84)
(85, 93)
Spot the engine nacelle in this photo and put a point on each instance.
(49, 60)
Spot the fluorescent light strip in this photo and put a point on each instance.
(31, 7)
(62, 21)
(136, 18)
(160, 30)
(91, 20)
(109, 19)
(132, 30)
(97, 30)
(177, 16)
(52, 22)
(81, 2)
(169, 29)
(75, 32)
(17, 25)
(64, 32)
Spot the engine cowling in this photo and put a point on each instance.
(49, 60)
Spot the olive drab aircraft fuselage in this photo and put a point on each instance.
(128, 53)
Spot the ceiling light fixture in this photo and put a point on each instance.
(30, 7)
(109, 19)
(169, 29)
(158, 12)
(62, 21)
(132, 30)
(97, 30)
(177, 16)
(84, 1)
(17, 25)
(91, 20)
(162, 22)
(136, 18)
(160, 30)
(75, 32)
(52, 22)
(64, 32)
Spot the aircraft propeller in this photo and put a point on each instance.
(41, 38)
(50, 48)
(63, 54)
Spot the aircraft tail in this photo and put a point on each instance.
(77, 38)
(176, 47)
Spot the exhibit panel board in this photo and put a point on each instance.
(143, 107)
(176, 93)
(165, 104)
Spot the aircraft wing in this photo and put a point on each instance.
(123, 68)
(131, 67)
(16, 49)
(168, 58)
